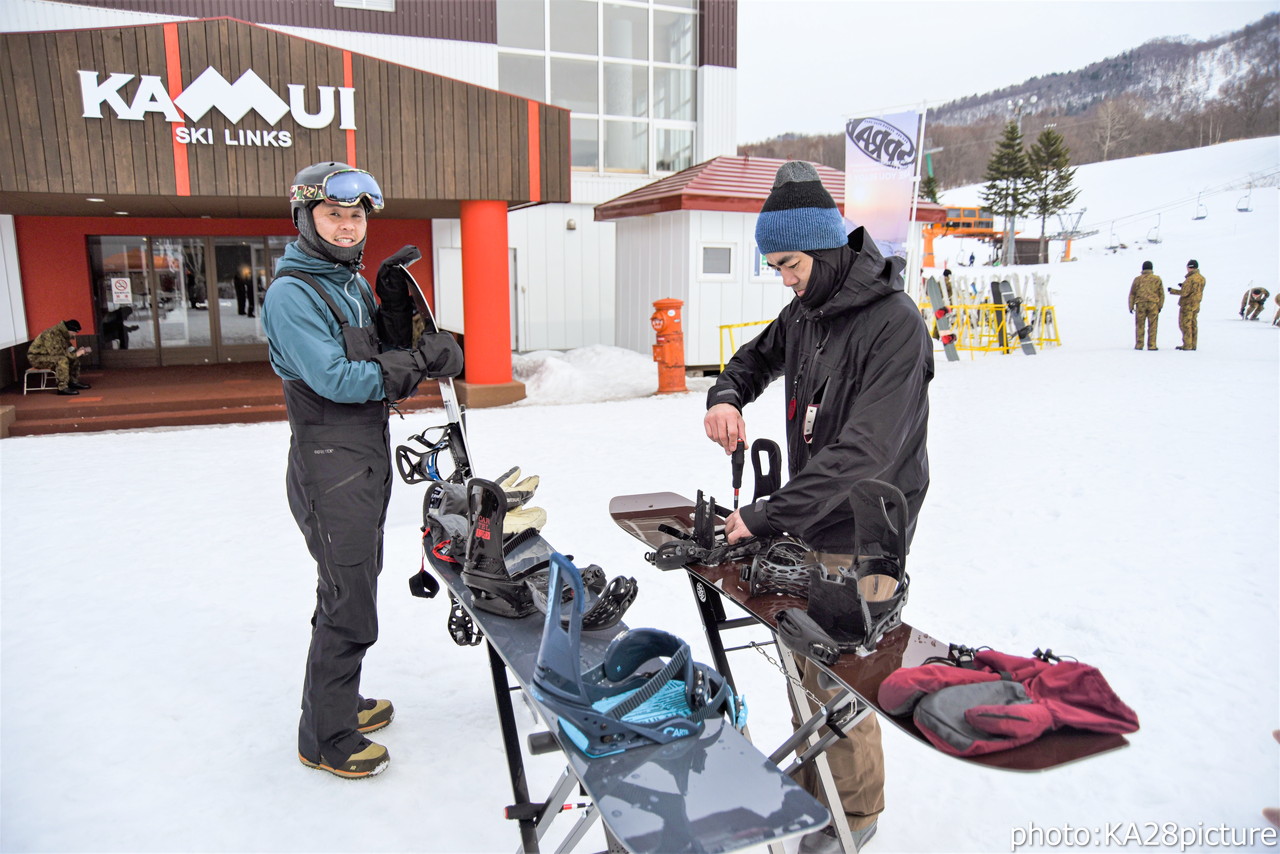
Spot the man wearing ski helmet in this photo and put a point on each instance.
(330, 345)
(857, 361)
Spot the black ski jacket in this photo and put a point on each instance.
(864, 359)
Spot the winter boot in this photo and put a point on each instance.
(373, 715)
(370, 759)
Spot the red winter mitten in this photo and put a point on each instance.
(904, 687)
(969, 720)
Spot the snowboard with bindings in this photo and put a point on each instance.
(1003, 293)
(942, 315)
(713, 792)
(659, 518)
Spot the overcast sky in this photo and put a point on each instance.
(807, 65)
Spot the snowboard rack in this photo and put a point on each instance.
(613, 707)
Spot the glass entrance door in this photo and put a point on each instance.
(181, 300)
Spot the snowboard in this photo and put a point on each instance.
(1003, 293)
(705, 794)
(644, 516)
(942, 315)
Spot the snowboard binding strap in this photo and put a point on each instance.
(485, 571)
(608, 599)
(613, 707)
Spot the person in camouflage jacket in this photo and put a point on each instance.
(1252, 302)
(1146, 298)
(55, 350)
(1189, 295)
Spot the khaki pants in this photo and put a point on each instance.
(1188, 325)
(1147, 316)
(857, 761)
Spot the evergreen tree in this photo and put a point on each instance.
(1007, 179)
(1051, 177)
(929, 189)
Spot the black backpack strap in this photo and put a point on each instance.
(338, 313)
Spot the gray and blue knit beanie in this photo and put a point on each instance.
(799, 214)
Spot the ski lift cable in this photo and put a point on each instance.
(1230, 186)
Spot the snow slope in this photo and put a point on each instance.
(1117, 506)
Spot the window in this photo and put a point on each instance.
(673, 94)
(673, 38)
(372, 5)
(717, 260)
(574, 86)
(522, 75)
(584, 143)
(573, 26)
(520, 24)
(673, 149)
(626, 90)
(626, 32)
(626, 146)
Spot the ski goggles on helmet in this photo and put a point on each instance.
(346, 188)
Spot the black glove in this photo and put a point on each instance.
(437, 355)
(395, 315)
(441, 355)
(1242, 312)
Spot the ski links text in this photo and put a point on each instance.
(1141, 834)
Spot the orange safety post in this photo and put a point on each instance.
(486, 293)
(669, 351)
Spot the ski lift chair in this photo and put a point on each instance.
(1153, 236)
(1201, 210)
(1244, 205)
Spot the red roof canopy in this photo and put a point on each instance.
(736, 184)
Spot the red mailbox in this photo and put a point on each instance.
(668, 352)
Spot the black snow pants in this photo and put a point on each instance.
(339, 484)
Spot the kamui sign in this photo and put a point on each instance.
(211, 91)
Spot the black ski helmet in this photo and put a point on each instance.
(310, 187)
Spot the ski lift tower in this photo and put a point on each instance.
(1070, 232)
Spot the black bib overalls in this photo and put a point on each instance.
(339, 484)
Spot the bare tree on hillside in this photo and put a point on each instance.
(1113, 125)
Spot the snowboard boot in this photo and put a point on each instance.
(373, 715)
(371, 758)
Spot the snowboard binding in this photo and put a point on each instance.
(705, 544)
(852, 609)
(614, 706)
(779, 570)
(485, 568)
(606, 600)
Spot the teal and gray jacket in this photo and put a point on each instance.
(304, 339)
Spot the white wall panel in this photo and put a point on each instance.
(592, 188)
(470, 62)
(13, 317)
(717, 132)
(564, 295)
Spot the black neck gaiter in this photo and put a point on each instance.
(829, 270)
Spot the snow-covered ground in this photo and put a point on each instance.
(1117, 506)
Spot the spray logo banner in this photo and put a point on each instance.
(883, 142)
(879, 173)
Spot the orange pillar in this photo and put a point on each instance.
(486, 293)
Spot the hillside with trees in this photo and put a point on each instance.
(1163, 96)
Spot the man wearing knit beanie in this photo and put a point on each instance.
(857, 360)
(55, 350)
